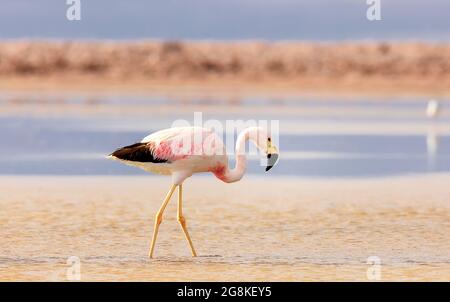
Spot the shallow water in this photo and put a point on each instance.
(341, 193)
(258, 229)
(317, 138)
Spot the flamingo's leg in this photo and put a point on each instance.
(158, 219)
(182, 220)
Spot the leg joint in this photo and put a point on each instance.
(181, 219)
(158, 219)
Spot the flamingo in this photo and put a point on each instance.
(433, 109)
(183, 151)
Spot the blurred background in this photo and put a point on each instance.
(371, 101)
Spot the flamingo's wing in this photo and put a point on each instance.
(167, 145)
(177, 143)
(139, 152)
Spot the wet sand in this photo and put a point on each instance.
(258, 229)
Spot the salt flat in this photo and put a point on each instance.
(259, 229)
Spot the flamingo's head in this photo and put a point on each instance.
(272, 154)
(265, 143)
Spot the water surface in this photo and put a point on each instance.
(317, 138)
(356, 179)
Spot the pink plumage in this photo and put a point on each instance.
(183, 151)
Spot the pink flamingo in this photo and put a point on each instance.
(183, 151)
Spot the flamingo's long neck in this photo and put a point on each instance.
(235, 174)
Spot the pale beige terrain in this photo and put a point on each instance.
(392, 68)
(257, 229)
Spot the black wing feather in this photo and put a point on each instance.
(140, 152)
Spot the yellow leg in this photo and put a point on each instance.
(158, 219)
(182, 221)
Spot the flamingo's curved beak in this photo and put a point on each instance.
(272, 159)
(272, 155)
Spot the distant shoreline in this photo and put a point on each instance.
(282, 68)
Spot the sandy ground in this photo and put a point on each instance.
(257, 229)
(284, 68)
(430, 87)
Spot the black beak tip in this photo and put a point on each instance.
(271, 160)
